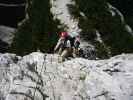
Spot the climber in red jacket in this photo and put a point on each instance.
(67, 45)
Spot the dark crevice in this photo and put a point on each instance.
(24, 94)
(11, 15)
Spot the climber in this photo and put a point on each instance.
(67, 45)
(63, 46)
(75, 42)
(76, 46)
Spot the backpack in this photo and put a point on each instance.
(64, 45)
(73, 41)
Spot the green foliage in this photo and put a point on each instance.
(102, 51)
(116, 39)
(22, 43)
(37, 32)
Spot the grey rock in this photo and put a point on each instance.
(39, 76)
(6, 34)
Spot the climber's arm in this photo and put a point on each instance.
(57, 45)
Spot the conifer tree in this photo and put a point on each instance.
(37, 31)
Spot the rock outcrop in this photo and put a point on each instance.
(6, 34)
(39, 76)
(6, 37)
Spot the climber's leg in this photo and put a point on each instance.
(60, 51)
(64, 54)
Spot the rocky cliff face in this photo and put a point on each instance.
(39, 76)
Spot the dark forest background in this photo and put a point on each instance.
(40, 27)
(10, 16)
